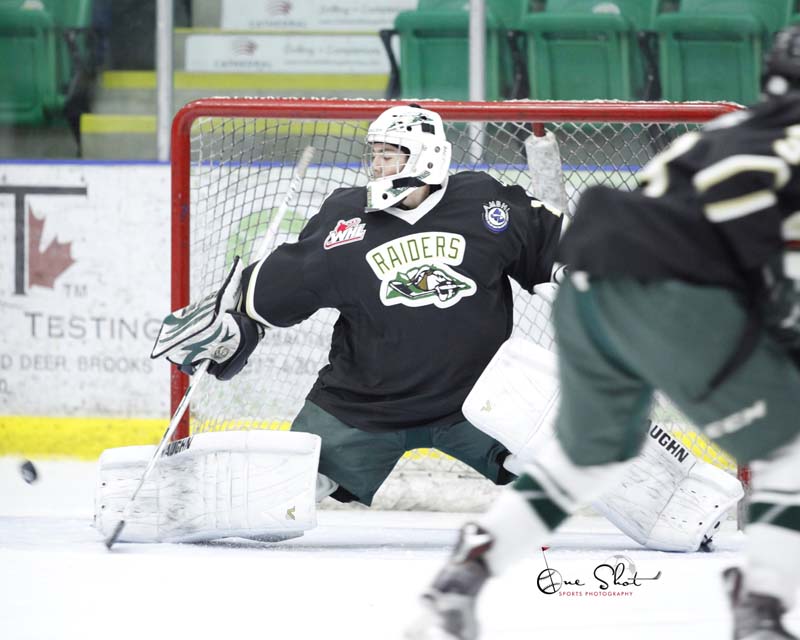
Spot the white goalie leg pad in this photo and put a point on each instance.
(515, 401)
(773, 551)
(668, 499)
(250, 484)
(516, 398)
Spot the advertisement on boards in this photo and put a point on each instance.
(278, 53)
(84, 285)
(313, 15)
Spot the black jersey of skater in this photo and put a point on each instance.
(423, 304)
(711, 208)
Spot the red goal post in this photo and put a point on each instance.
(232, 159)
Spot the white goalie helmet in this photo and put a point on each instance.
(423, 158)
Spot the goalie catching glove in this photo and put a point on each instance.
(211, 329)
(781, 304)
(548, 290)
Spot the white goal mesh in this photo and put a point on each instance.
(233, 160)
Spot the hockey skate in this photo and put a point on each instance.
(755, 616)
(448, 606)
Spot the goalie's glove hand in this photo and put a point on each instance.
(781, 305)
(782, 313)
(210, 329)
(548, 290)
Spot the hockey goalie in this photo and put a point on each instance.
(265, 484)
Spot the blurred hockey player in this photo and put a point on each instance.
(690, 285)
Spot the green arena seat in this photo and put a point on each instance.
(47, 70)
(712, 49)
(590, 49)
(28, 73)
(434, 49)
(73, 20)
(75, 65)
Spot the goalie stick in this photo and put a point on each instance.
(200, 373)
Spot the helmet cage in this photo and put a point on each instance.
(419, 132)
(399, 157)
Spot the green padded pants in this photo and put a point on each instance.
(619, 340)
(360, 461)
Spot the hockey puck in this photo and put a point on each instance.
(28, 471)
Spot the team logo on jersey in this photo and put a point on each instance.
(496, 216)
(427, 281)
(417, 270)
(345, 232)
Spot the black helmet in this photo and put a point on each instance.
(782, 63)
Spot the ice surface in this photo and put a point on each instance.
(354, 577)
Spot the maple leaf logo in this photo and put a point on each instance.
(45, 266)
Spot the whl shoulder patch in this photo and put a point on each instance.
(345, 232)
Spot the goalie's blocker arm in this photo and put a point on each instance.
(211, 329)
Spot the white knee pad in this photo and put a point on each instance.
(250, 484)
(777, 479)
(773, 551)
(568, 485)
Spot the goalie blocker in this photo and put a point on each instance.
(211, 329)
(668, 499)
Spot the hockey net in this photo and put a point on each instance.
(232, 163)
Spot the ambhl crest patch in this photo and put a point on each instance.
(496, 216)
(345, 232)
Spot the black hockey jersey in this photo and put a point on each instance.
(424, 299)
(711, 209)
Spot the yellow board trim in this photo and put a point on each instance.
(355, 129)
(99, 123)
(86, 438)
(705, 450)
(216, 31)
(248, 81)
(110, 123)
(128, 80)
(83, 438)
